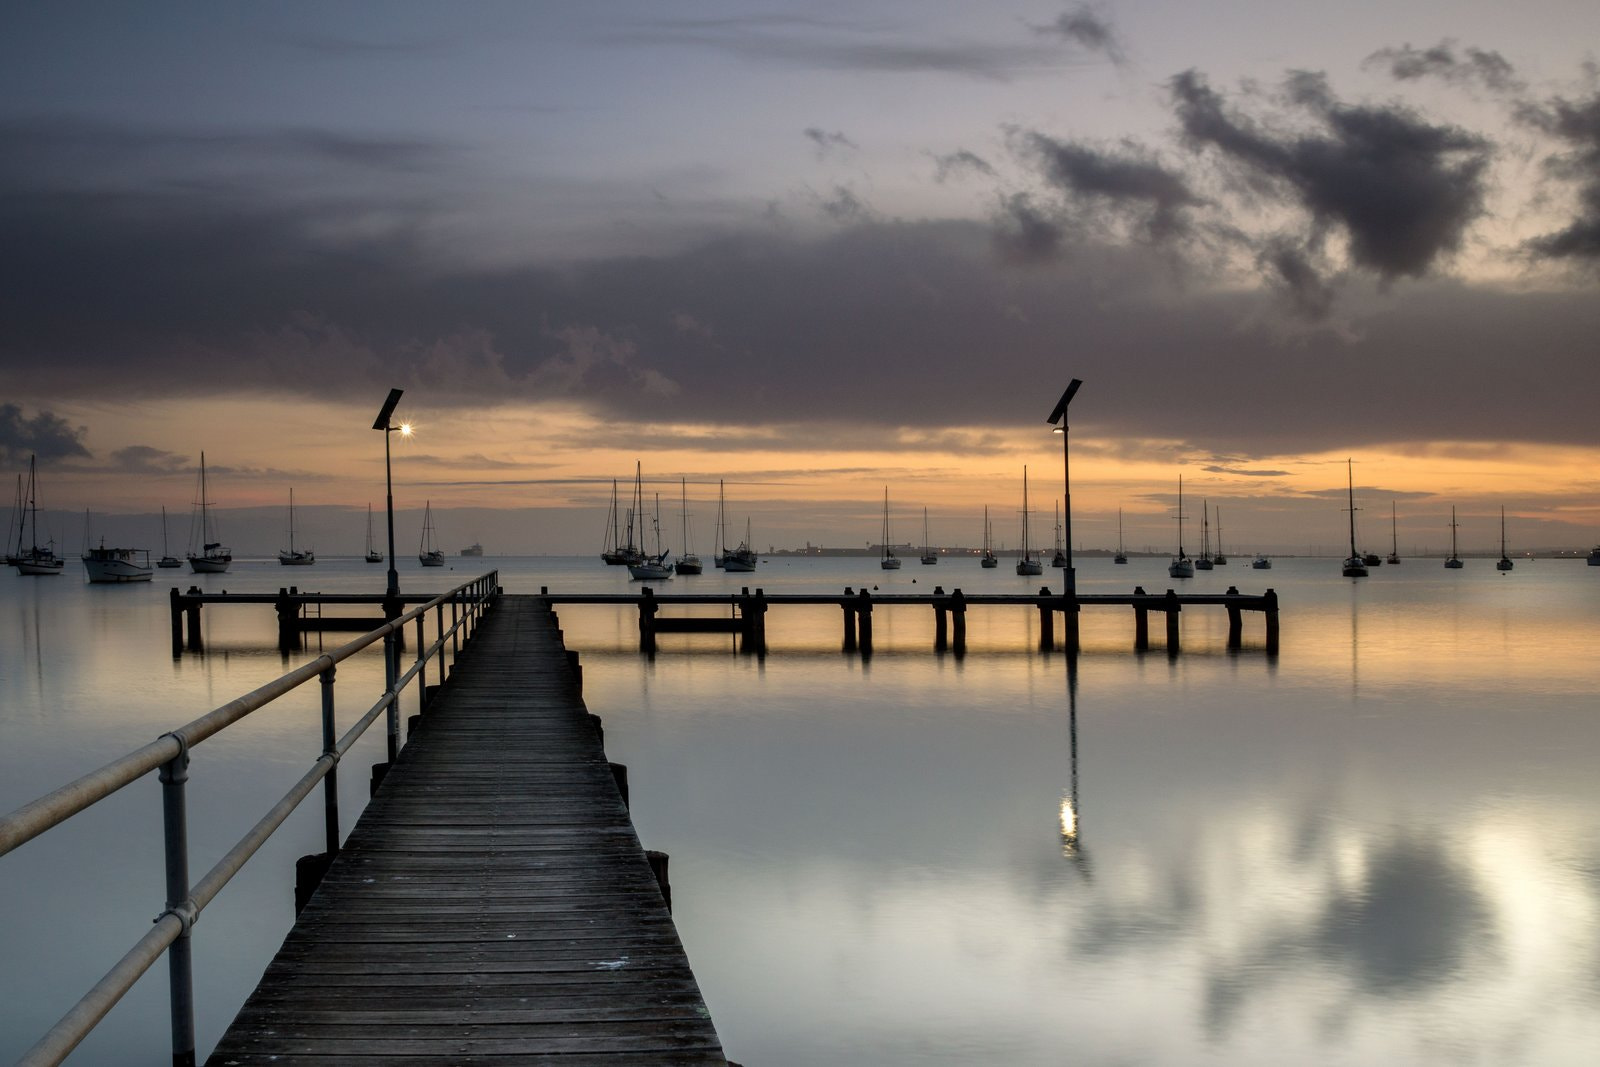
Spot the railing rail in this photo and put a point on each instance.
(169, 754)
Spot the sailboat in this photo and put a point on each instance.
(1181, 566)
(167, 560)
(1504, 563)
(429, 554)
(214, 556)
(1202, 562)
(741, 560)
(1454, 562)
(114, 566)
(34, 559)
(688, 563)
(1027, 564)
(651, 567)
(1394, 534)
(888, 561)
(373, 555)
(614, 552)
(928, 554)
(292, 557)
(988, 559)
(1060, 558)
(1354, 565)
(1219, 559)
(1122, 555)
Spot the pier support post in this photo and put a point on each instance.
(864, 622)
(288, 630)
(647, 621)
(1174, 607)
(1047, 620)
(1271, 612)
(1141, 623)
(192, 609)
(576, 667)
(958, 619)
(753, 623)
(1235, 622)
(849, 620)
(658, 867)
(941, 622)
(174, 598)
(619, 774)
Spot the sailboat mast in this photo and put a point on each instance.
(1350, 484)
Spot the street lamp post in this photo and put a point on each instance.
(391, 594)
(1070, 575)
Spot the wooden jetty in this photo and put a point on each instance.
(747, 612)
(298, 613)
(493, 902)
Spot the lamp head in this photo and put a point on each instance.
(1060, 413)
(382, 421)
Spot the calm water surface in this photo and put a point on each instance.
(1382, 846)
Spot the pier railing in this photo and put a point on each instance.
(168, 755)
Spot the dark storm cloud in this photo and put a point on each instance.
(1088, 29)
(1470, 66)
(841, 45)
(1026, 234)
(827, 141)
(1401, 190)
(868, 325)
(1239, 472)
(1577, 125)
(1154, 198)
(961, 162)
(44, 434)
(844, 207)
(142, 459)
(1290, 267)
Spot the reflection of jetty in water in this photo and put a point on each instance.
(1071, 813)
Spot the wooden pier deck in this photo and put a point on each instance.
(493, 904)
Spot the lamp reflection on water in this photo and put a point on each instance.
(1071, 845)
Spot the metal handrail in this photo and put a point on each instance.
(170, 755)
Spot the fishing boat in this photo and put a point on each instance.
(1181, 566)
(35, 559)
(1027, 564)
(929, 556)
(688, 563)
(428, 553)
(1355, 566)
(1504, 562)
(1394, 537)
(653, 567)
(373, 555)
(1454, 562)
(615, 552)
(988, 559)
(214, 556)
(1059, 560)
(1262, 562)
(888, 560)
(1219, 559)
(1202, 562)
(167, 560)
(114, 566)
(1122, 555)
(741, 560)
(291, 556)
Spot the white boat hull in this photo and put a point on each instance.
(431, 559)
(890, 563)
(39, 567)
(297, 559)
(1029, 566)
(110, 566)
(1181, 568)
(735, 565)
(650, 572)
(209, 564)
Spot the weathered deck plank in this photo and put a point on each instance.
(493, 903)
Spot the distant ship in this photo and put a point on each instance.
(473, 549)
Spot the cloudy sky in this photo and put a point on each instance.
(812, 249)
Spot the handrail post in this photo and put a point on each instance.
(422, 662)
(455, 632)
(391, 669)
(180, 959)
(330, 784)
(438, 628)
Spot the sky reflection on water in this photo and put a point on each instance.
(1383, 847)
